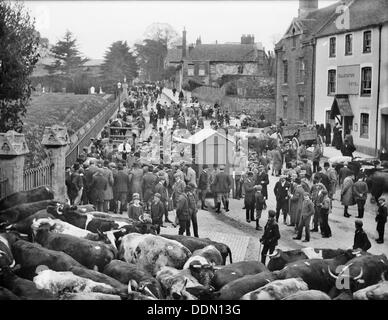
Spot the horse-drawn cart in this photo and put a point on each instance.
(299, 133)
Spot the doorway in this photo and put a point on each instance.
(384, 131)
(348, 125)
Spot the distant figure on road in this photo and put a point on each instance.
(174, 91)
(181, 96)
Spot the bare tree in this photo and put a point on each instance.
(160, 31)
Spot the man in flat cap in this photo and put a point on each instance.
(305, 216)
(160, 188)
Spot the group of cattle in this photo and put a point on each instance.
(375, 174)
(50, 250)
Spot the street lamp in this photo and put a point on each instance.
(118, 92)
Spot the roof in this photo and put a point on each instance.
(341, 105)
(224, 52)
(174, 55)
(200, 136)
(312, 22)
(361, 14)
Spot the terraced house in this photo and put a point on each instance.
(295, 61)
(351, 72)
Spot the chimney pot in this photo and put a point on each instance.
(306, 6)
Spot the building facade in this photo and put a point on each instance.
(351, 73)
(213, 64)
(295, 63)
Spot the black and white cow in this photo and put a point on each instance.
(279, 258)
(91, 254)
(193, 243)
(6, 256)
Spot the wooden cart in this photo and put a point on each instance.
(298, 133)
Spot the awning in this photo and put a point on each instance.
(341, 106)
(384, 111)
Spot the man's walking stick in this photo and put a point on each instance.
(260, 250)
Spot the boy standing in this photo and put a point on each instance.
(270, 237)
(381, 220)
(260, 205)
(157, 211)
(361, 240)
(135, 209)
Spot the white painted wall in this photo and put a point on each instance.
(359, 104)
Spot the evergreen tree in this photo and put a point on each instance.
(19, 43)
(119, 62)
(67, 57)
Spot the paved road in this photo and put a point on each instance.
(232, 229)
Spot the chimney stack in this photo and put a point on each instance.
(247, 39)
(306, 6)
(184, 43)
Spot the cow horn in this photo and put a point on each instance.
(184, 285)
(129, 287)
(149, 292)
(331, 273)
(273, 254)
(383, 276)
(360, 275)
(13, 264)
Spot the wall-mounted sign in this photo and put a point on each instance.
(355, 127)
(348, 78)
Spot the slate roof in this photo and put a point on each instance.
(224, 53)
(313, 22)
(363, 13)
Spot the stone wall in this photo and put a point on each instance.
(209, 95)
(250, 105)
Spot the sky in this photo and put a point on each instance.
(97, 24)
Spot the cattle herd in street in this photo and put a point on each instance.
(54, 251)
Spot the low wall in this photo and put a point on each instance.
(209, 95)
(233, 104)
(253, 106)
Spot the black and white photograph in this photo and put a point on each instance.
(209, 152)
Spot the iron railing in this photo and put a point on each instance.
(3, 185)
(38, 177)
(89, 130)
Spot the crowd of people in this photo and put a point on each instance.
(304, 194)
(114, 179)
